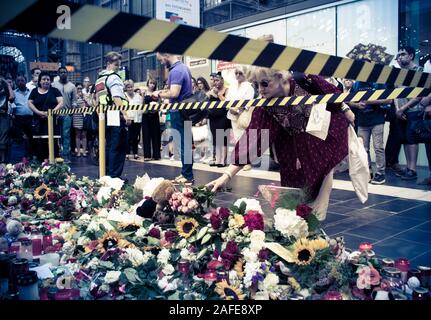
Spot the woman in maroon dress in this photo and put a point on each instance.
(305, 161)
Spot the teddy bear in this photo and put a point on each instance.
(157, 193)
(15, 231)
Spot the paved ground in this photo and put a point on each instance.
(396, 218)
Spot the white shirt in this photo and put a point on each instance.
(136, 116)
(427, 66)
(116, 86)
(30, 85)
(244, 91)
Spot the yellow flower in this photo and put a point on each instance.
(17, 191)
(41, 192)
(303, 253)
(228, 292)
(239, 219)
(186, 227)
(319, 244)
(112, 239)
(70, 233)
(59, 160)
(294, 284)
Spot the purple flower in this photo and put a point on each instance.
(302, 210)
(3, 199)
(216, 254)
(254, 220)
(171, 236)
(263, 254)
(256, 278)
(229, 254)
(215, 220)
(26, 204)
(155, 233)
(224, 213)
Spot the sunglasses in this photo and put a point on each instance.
(238, 72)
(264, 83)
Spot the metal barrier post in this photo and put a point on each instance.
(102, 142)
(51, 136)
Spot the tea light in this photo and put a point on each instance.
(386, 262)
(26, 250)
(183, 266)
(37, 245)
(333, 295)
(47, 241)
(403, 264)
(365, 246)
(211, 275)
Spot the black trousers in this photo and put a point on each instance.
(396, 137)
(116, 147)
(22, 128)
(151, 135)
(134, 130)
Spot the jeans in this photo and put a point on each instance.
(377, 133)
(116, 148)
(185, 132)
(66, 125)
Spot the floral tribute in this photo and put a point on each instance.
(189, 249)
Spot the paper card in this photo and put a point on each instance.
(113, 118)
(43, 272)
(279, 250)
(318, 123)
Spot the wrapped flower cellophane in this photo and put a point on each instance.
(282, 196)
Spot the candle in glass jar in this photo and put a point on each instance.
(333, 295)
(14, 247)
(47, 241)
(403, 264)
(386, 262)
(424, 275)
(420, 293)
(37, 245)
(365, 246)
(26, 250)
(183, 266)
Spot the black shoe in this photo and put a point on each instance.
(410, 175)
(378, 179)
(212, 163)
(396, 168)
(401, 173)
(221, 165)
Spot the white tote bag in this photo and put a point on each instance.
(359, 171)
(318, 123)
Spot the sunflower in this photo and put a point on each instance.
(17, 191)
(294, 284)
(41, 192)
(112, 239)
(303, 252)
(186, 227)
(238, 267)
(128, 226)
(319, 244)
(229, 292)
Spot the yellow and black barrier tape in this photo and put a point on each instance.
(370, 95)
(101, 25)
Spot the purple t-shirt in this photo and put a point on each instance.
(179, 74)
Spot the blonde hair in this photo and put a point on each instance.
(113, 56)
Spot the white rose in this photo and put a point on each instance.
(9, 166)
(187, 255)
(84, 203)
(249, 255)
(261, 295)
(93, 226)
(136, 257)
(35, 174)
(163, 256)
(270, 282)
(114, 183)
(166, 284)
(182, 244)
(141, 233)
(115, 215)
(103, 213)
(82, 241)
(289, 224)
(103, 194)
(251, 204)
(168, 269)
(12, 201)
(140, 182)
(257, 236)
(85, 218)
(112, 276)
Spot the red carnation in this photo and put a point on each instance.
(171, 236)
(303, 211)
(215, 220)
(155, 233)
(254, 220)
(224, 213)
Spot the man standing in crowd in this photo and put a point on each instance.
(110, 91)
(68, 91)
(179, 88)
(23, 115)
(409, 114)
(35, 72)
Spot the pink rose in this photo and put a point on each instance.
(185, 201)
(188, 192)
(174, 196)
(193, 204)
(184, 209)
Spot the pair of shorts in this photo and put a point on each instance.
(412, 119)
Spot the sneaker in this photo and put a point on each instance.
(425, 181)
(401, 173)
(396, 168)
(182, 180)
(410, 175)
(378, 179)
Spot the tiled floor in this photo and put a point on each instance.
(396, 226)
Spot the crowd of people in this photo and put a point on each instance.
(209, 133)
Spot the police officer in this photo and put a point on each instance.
(110, 91)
